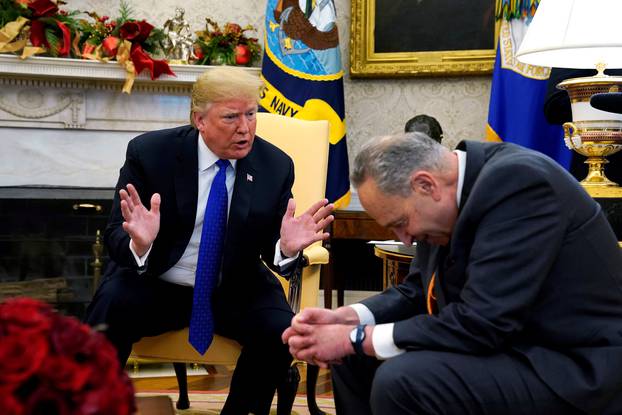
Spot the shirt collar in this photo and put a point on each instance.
(206, 157)
(462, 155)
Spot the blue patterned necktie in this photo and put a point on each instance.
(209, 260)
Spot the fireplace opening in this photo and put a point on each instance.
(49, 244)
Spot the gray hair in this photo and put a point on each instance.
(391, 160)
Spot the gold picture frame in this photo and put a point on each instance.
(366, 62)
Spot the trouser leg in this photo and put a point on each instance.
(130, 307)
(264, 360)
(352, 382)
(427, 382)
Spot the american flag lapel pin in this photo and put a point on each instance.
(249, 178)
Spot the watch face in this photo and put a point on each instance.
(353, 335)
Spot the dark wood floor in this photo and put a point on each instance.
(218, 380)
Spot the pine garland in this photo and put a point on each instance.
(53, 40)
(9, 11)
(515, 9)
(125, 11)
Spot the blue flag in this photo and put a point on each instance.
(518, 92)
(302, 73)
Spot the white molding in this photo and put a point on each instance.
(62, 72)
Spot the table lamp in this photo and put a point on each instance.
(583, 34)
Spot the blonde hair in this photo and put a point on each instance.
(221, 84)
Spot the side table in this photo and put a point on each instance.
(348, 225)
(395, 262)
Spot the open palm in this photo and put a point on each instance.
(140, 223)
(297, 233)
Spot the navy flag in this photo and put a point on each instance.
(303, 77)
(518, 92)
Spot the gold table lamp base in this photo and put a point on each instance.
(593, 133)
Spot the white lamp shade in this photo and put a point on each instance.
(574, 34)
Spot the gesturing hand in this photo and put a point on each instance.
(297, 233)
(141, 224)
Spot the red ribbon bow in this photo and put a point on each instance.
(37, 36)
(143, 61)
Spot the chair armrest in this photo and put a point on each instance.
(315, 254)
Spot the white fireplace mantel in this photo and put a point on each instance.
(65, 122)
(89, 71)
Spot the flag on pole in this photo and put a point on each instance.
(518, 92)
(303, 77)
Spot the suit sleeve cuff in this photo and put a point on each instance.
(278, 258)
(141, 261)
(365, 315)
(382, 340)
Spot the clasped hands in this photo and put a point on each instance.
(321, 336)
(297, 233)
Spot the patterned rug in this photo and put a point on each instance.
(208, 403)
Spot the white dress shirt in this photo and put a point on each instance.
(183, 272)
(382, 336)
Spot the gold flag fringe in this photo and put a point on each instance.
(515, 9)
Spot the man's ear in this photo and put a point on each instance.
(423, 182)
(197, 117)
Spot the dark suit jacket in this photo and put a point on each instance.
(532, 267)
(166, 162)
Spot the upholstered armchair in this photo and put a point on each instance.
(307, 143)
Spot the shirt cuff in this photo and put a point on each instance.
(141, 261)
(382, 340)
(278, 258)
(365, 315)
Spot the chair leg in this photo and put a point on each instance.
(286, 391)
(312, 374)
(182, 382)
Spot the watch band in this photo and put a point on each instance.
(358, 342)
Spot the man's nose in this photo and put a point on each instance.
(243, 125)
(404, 237)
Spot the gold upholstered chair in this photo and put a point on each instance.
(307, 143)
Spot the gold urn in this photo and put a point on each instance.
(594, 133)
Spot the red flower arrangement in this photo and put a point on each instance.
(54, 365)
(51, 29)
(228, 46)
(39, 26)
(129, 41)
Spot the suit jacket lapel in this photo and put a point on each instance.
(433, 266)
(243, 189)
(450, 275)
(187, 178)
(440, 269)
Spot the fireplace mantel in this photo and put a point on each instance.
(65, 122)
(92, 74)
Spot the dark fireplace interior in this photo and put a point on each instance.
(47, 242)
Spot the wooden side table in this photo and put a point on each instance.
(395, 262)
(348, 225)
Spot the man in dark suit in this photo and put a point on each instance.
(513, 302)
(154, 236)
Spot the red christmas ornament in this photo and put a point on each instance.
(110, 45)
(242, 55)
